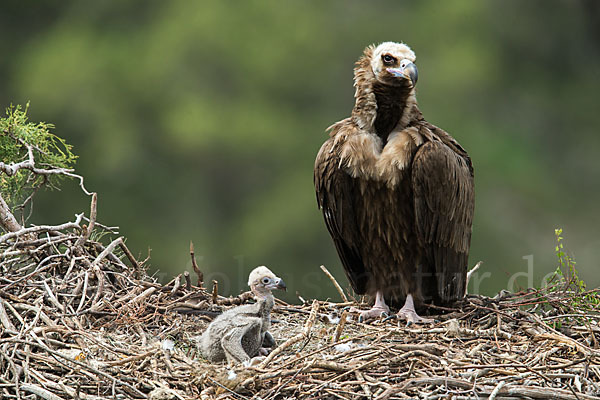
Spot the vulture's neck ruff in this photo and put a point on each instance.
(383, 103)
(392, 103)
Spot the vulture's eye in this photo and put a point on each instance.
(266, 280)
(387, 59)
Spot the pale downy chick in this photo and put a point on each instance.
(238, 334)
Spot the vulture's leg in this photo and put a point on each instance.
(269, 340)
(378, 309)
(408, 313)
(231, 342)
(268, 343)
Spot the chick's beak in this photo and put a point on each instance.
(280, 284)
(409, 71)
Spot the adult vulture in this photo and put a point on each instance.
(396, 191)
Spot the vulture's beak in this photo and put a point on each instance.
(279, 284)
(409, 71)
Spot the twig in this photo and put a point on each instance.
(16, 372)
(83, 292)
(130, 359)
(40, 391)
(90, 227)
(4, 318)
(363, 383)
(53, 298)
(340, 327)
(335, 283)
(226, 388)
(496, 390)
(129, 256)
(188, 280)
(142, 296)
(195, 266)
(471, 272)
(108, 250)
(176, 285)
(305, 334)
(336, 377)
(215, 292)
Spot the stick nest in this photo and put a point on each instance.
(81, 319)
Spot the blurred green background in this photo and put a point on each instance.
(201, 121)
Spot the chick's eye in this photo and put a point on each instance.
(387, 59)
(266, 280)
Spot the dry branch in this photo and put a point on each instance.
(90, 227)
(199, 273)
(335, 283)
(43, 228)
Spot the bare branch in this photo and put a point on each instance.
(44, 228)
(195, 266)
(29, 164)
(335, 283)
(86, 235)
(7, 219)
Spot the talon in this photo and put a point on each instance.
(263, 351)
(390, 317)
(254, 361)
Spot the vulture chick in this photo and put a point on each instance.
(396, 191)
(238, 334)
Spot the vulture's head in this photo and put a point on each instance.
(262, 281)
(393, 64)
(385, 78)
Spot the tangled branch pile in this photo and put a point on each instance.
(81, 319)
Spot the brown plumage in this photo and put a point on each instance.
(396, 191)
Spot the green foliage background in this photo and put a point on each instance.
(201, 120)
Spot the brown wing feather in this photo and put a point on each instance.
(444, 205)
(335, 191)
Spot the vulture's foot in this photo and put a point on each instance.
(379, 309)
(253, 362)
(264, 351)
(412, 317)
(372, 313)
(408, 313)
